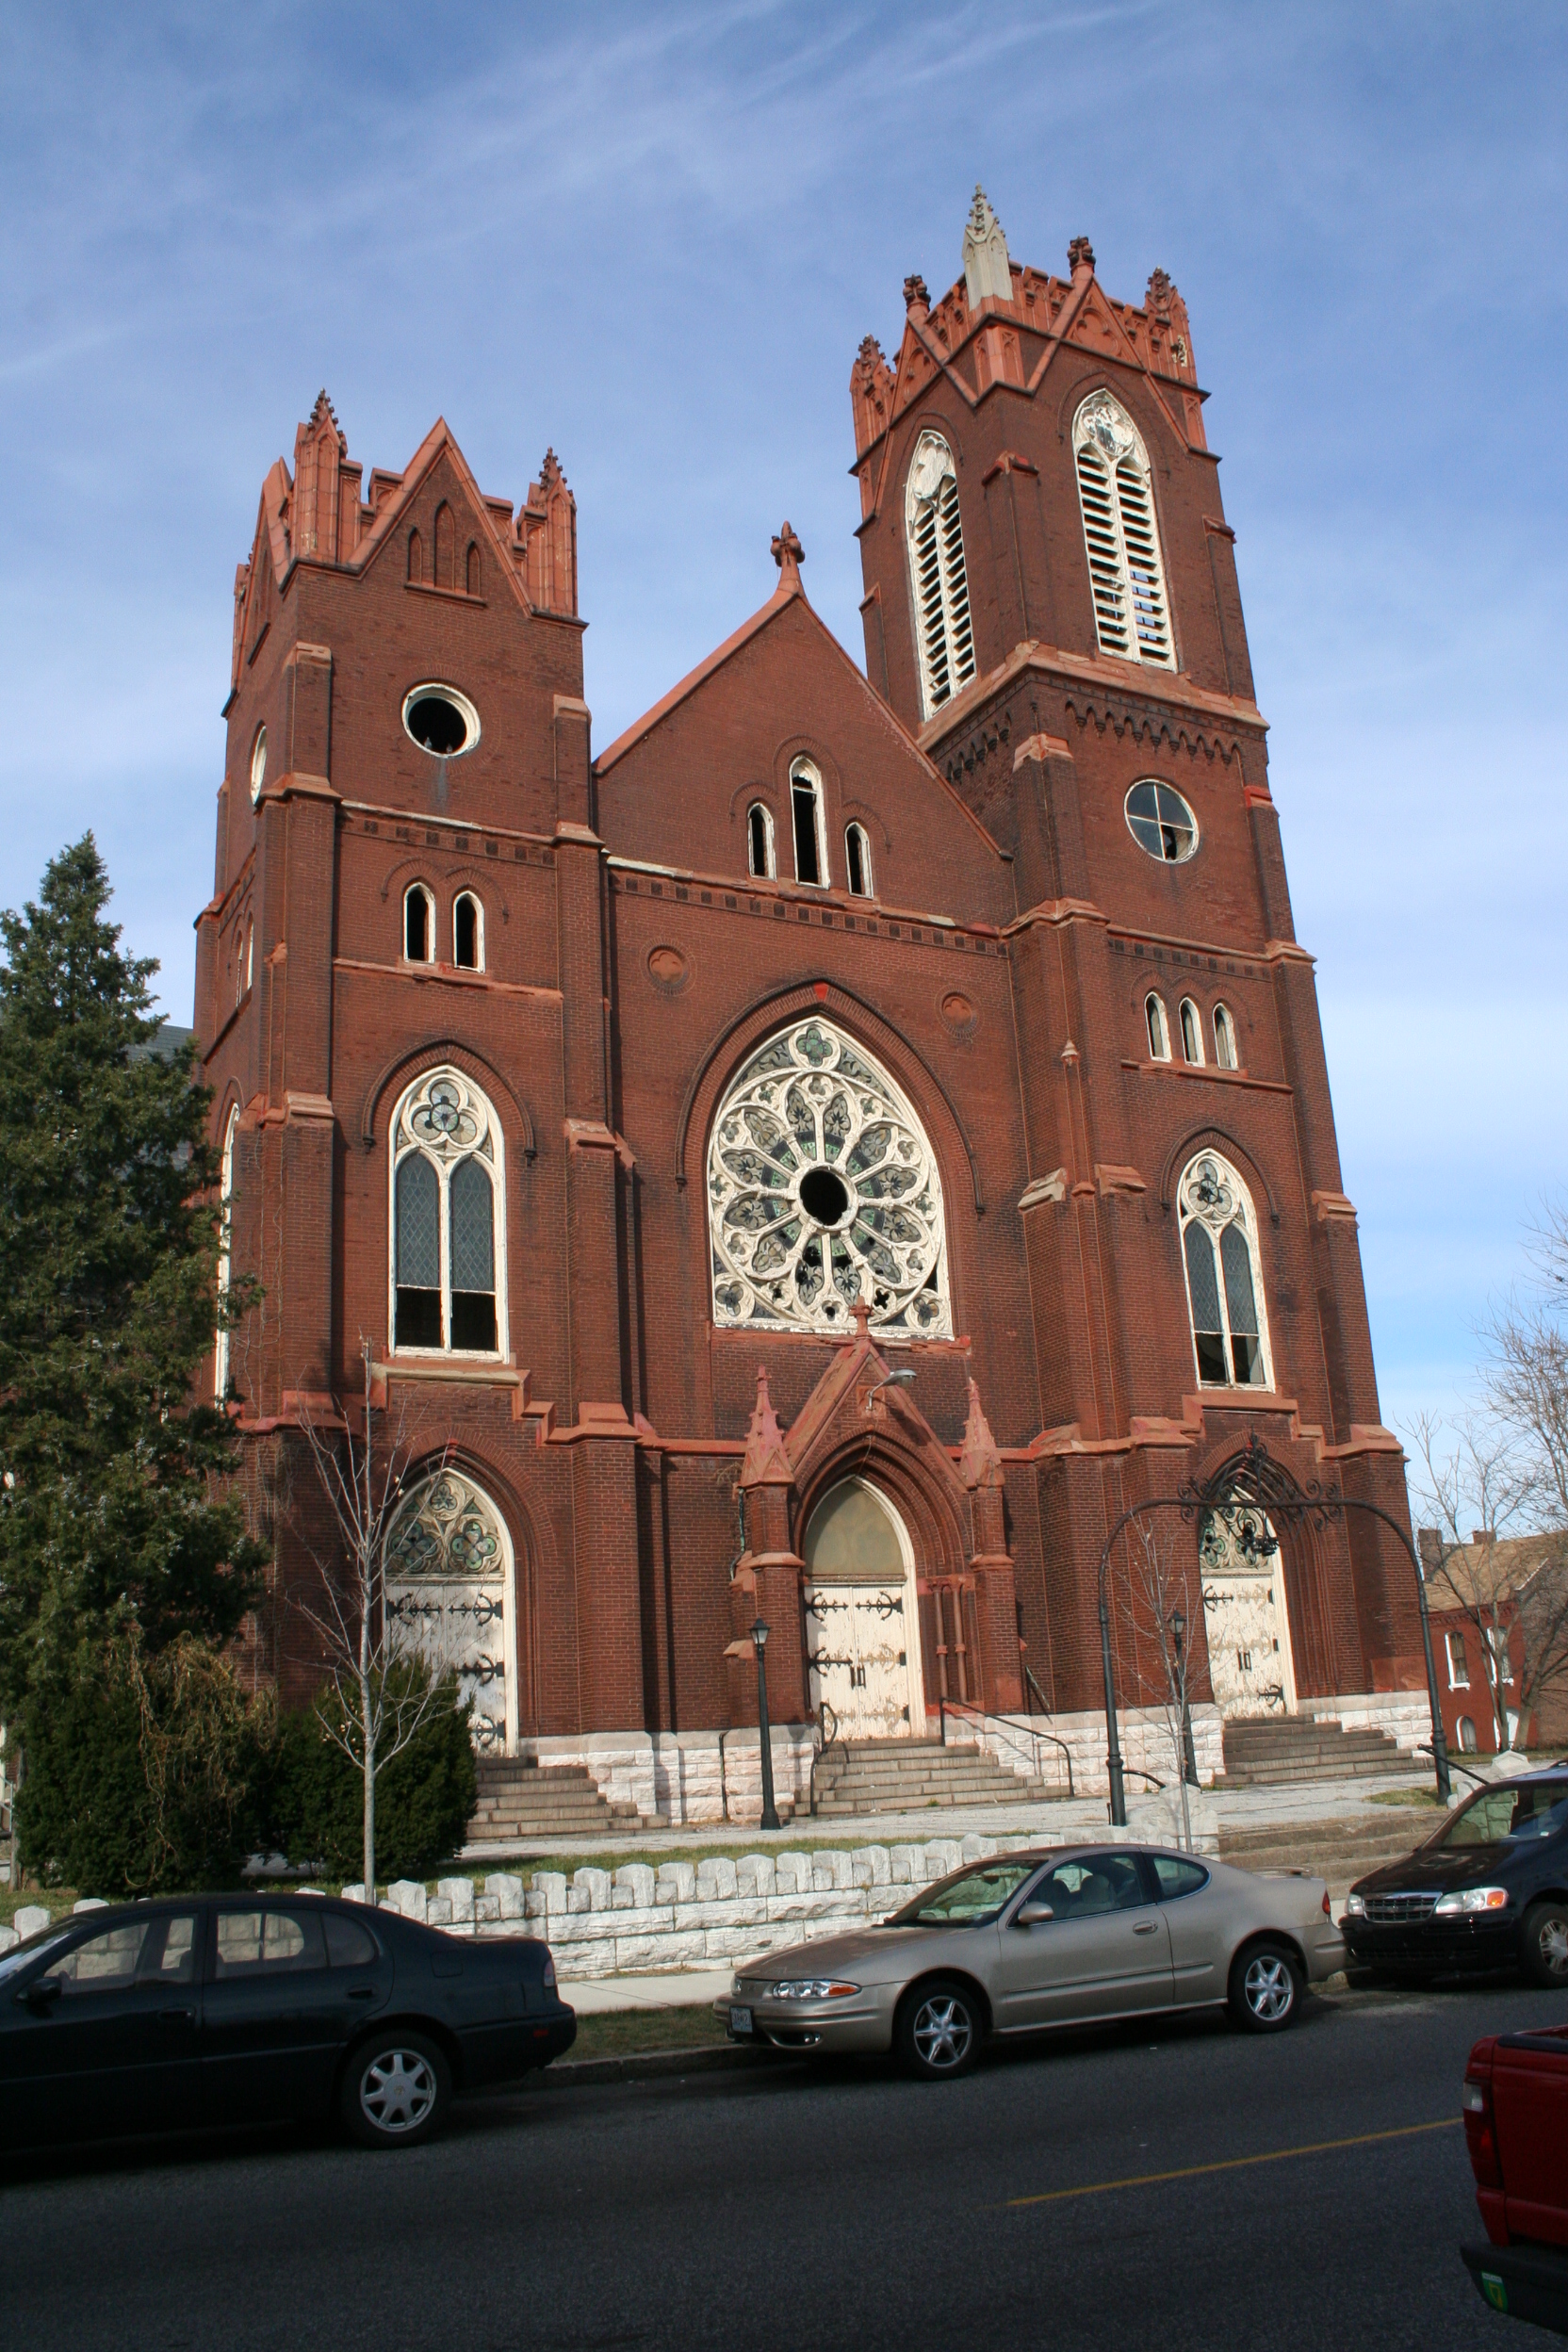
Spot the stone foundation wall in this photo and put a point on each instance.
(1404, 1715)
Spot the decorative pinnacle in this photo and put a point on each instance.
(915, 293)
(788, 555)
(1080, 254)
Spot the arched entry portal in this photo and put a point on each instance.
(451, 1597)
(862, 1618)
(1245, 1617)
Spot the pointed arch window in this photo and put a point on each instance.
(226, 1217)
(467, 932)
(449, 1290)
(944, 632)
(1225, 1038)
(473, 578)
(1224, 1275)
(759, 849)
(1131, 611)
(1192, 1033)
(1159, 1034)
(249, 954)
(823, 1190)
(857, 861)
(806, 809)
(415, 557)
(259, 764)
(446, 545)
(419, 924)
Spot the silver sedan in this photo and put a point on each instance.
(1070, 1936)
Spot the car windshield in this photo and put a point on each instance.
(967, 1900)
(1509, 1809)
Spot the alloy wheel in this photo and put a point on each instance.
(396, 2090)
(942, 2031)
(1552, 1942)
(1269, 1987)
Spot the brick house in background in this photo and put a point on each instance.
(643, 1111)
(1462, 1584)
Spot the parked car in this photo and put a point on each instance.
(256, 2008)
(1489, 1890)
(1515, 2099)
(1067, 1936)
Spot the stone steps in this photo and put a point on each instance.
(521, 1800)
(865, 1776)
(1277, 1752)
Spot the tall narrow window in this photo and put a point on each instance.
(416, 556)
(944, 632)
(446, 538)
(418, 924)
(759, 840)
(1225, 1038)
(448, 1234)
(1458, 1665)
(225, 1217)
(806, 805)
(473, 571)
(1192, 1033)
(1132, 613)
(468, 933)
(1159, 1035)
(857, 861)
(1219, 1247)
(249, 954)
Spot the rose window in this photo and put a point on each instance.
(822, 1191)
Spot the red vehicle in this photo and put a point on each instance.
(1516, 2123)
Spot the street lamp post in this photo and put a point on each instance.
(764, 1736)
(1190, 1753)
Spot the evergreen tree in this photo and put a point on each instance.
(113, 1503)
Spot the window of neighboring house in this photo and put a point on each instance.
(760, 859)
(857, 861)
(225, 1210)
(806, 803)
(448, 1221)
(1502, 1665)
(944, 632)
(1458, 1668)
(1467, 1735)
(418, 924)
(1224, 1275)
(1159, 1034)
(1192, 1033)
(1225, 1038)
(468, 933)
(1121, 538)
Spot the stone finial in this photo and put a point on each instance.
(988, 271)
(1160, 290)
(979, 1460)
(915, 294)
(1080, 256)
(766, 1463)
(788, 555)
(869, 357)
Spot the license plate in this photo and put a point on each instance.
(740, 2020)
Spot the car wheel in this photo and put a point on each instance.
(1545, 1943)
(1265, 1987)
(939, 2031)
(395, 2090)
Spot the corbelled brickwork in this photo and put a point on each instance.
(654, 1490)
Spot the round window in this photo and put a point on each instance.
(441, 721)
(1160, 821)
(259, 764)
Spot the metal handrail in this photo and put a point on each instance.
(824, 1739)
(961, 1708)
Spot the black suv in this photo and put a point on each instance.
(1487, 1890)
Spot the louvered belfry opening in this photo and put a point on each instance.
(943, 625)
(1131, 611)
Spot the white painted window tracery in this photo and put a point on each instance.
(822, 1188)
(759, 852)
(419, 924)
(1225, 1038)
(1159, 1034)
(1192, 1034)
(450, 1598)
(1132, 612)
(448, 1228)
(225, 1222)
(857, 861)
(944, 631)
(1224, 1275)
(805, 810)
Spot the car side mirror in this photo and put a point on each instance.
(42, 1995)
(1031, 1914)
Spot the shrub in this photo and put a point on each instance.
(425, 1796)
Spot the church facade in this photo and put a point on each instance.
(825, 1155)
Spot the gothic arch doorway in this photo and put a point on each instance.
(862, 1616)
(451, 1599)
(1246, 1615)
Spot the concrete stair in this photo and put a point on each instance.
(521, 1800)
(1338, 1851)
(1279, 1750)
(858, 1776)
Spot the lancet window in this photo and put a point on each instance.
(448, 1230)
(944, 631)
(1224, 1275)
(1131, 611)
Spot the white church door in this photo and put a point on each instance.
(862, 1618)
(450, 1596)
(1245, 1615)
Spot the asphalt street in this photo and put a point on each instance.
(1320, 2191)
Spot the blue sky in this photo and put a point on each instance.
(654, 237)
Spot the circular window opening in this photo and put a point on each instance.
(441, 721)
(824, 1196)
(259, 764)
(1160, 821)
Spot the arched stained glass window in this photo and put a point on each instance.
(1219, 1249)
(823, 1190)
(447, 1230)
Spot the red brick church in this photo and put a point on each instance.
(828, 1152)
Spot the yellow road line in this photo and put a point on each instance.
(1237, 2164)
